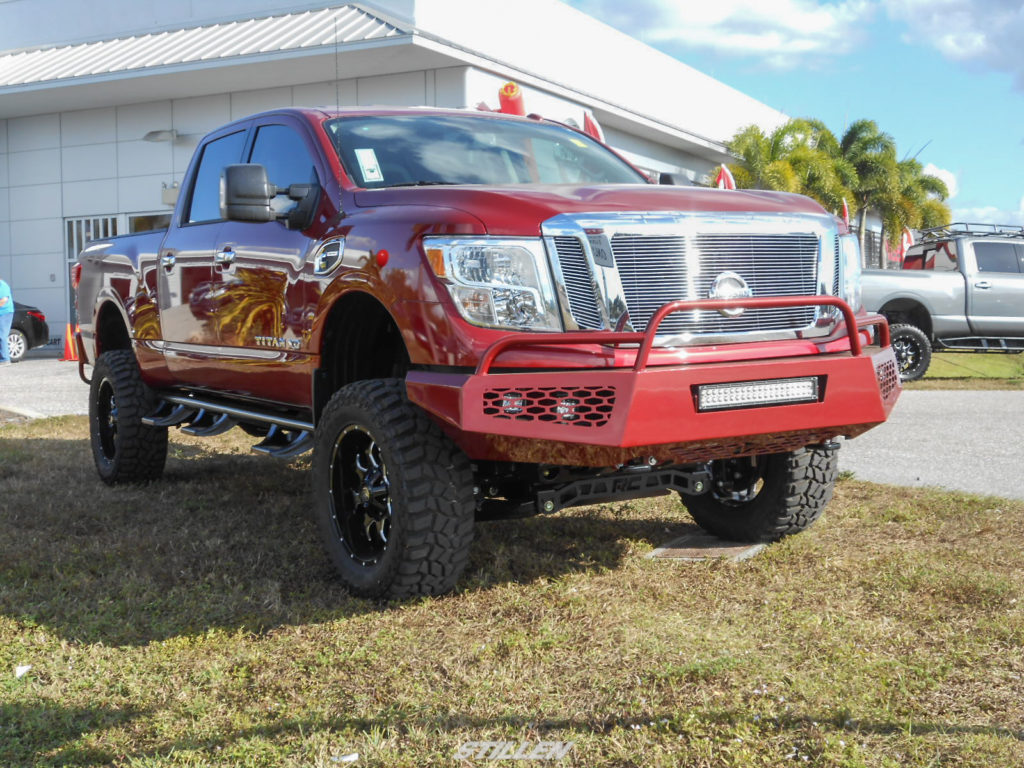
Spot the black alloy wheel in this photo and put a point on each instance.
(913, 351)
(360, 495)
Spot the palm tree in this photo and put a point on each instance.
(789, 159)
(804, 156)
(871, 153)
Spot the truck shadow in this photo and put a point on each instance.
(226, 541)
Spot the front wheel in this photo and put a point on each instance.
(764, 498)
(913, 351)
(124, 449)
(393, 495)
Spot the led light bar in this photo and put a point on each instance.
(751, 394)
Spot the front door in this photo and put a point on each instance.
(190, 297)
(261, 273)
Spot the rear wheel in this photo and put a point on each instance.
(17, 345)
(913, 351)
(394, 496)
(124, 449)
(764, 498)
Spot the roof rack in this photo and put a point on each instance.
(971, 229)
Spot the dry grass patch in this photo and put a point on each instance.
(195, 621)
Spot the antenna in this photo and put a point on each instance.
(337, 70)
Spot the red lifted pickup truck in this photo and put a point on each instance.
(472, 316)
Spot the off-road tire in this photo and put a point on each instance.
(393, 495)
(913, 351)
(124, 449)
(17, 345)
(789, 492)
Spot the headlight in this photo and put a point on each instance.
(850, 265)
(497, 283)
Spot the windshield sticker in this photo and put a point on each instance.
(368, 165)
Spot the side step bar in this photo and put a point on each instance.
(285, 439)
(981, 344)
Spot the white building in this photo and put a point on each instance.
(102, 103)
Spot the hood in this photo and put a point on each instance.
(520, 210)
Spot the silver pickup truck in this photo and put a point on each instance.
(961, 288)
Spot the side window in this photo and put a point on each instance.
(281, 150)
(996, 257)
(226, 150)
(946, 257)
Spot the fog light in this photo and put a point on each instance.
(567, 410)
(512, 403)
(749, 394)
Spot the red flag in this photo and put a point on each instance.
(906, 240)
(724, 179)
(846, 214)
(590, 126)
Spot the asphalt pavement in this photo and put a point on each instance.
(42, 385)
(968, 440)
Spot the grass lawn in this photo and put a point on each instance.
(196, 622)
(965, 370)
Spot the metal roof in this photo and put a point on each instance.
(211, 43)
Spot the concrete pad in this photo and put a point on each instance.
(697, 545)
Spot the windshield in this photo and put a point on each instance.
(412, 150)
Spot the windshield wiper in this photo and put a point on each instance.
(420, 183)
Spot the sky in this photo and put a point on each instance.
(944, 78)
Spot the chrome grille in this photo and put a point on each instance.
(579, 287)
(655, 270)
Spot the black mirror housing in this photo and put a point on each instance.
(675, 179)
(246, 194)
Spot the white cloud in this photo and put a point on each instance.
(952, 184)
(985, 32)
(780, 33)
(989, 214)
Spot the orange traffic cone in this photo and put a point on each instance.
(70, 347)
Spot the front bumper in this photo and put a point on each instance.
(616, 415)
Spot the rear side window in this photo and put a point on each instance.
(226, 150)
(997, 257)
(940, 257)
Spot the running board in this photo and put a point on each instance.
(285, 444)
(981, 344)
(286, 438)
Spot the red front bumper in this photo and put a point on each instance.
(615, 415)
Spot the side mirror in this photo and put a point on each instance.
(675, 179)
(246, 194)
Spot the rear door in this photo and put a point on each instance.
(996, 289)
(264, 320)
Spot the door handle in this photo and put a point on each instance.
(983, 284)
(224, 258)
(168, 260)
